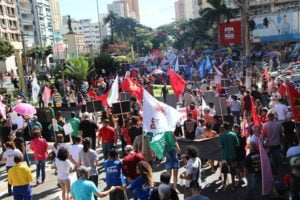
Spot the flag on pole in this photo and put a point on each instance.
(159, 123)
(177, 82)
(204, 104)
(294, 101)
(46, 95)
(132, 86)
(35, 90)
(266, 171)
(113, 94)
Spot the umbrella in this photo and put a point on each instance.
(157, 71)
(293, 151)
(272, 54)
(24, 109)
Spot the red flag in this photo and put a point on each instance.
(177, 82)
(282, 90)
(266, 74)
(256, 120)
(103, 98)
(132, 86)
(294, 101)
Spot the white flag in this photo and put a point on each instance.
(157, 116)
(204, 105)
(35, 90)
(113, 95)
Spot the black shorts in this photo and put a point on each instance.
(229, 167)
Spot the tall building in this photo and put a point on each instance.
(89, 30)
(10, 30)
(55, 12)
(132, 9)
(179, 10)
(191, 9)
(43, 21)
(117, 7)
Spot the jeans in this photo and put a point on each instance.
(22, 192)
(236, 116)
(106, 148)
(253, 182)
(274, 154)
(26, 158)
(40, 167)
(116, 195)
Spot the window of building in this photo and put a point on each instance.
(6, 36)
(1, 10)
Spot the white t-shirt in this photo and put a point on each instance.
(63, 169)
(74, 151)
(193, 167)
(19, 120)
(9, 155)
(281, 111)
(235, 105)
(60, 145)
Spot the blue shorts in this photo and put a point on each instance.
(172, 161)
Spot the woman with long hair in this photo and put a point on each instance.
(140, 186)
(88, 158)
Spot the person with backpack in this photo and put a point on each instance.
(193, 169)
(39, 146)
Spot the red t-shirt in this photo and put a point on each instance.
(125, 134)
(129, 164)
(107, 134)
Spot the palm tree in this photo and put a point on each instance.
(111, 19)
(215, 13)
(78, 68)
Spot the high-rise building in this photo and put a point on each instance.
(10, 30)
(179, 10)
(117, 7)
(132, 9)
(43, 21)
(55, 12)
(191, 9)
(89, 30)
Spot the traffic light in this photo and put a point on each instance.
(252, 25)
(266, 22)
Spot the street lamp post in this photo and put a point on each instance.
(99, 25)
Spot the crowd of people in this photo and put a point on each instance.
(128, 160)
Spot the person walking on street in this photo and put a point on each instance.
(74, 121)
(109, 138)
(39, 146)
(88, 129)
(20, 177)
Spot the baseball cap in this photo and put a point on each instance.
(128, 148)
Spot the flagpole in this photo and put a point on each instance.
(221, 109)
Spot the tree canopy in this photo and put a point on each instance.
(6, 49)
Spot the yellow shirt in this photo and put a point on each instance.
(19, 175)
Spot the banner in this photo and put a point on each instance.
(230, 33)
(161, 143)
(281, 27)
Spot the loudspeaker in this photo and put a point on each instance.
(121, 107)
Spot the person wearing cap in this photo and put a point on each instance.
(108, 136)
(88, 129)
(292, 179)
(196, 189)
(130, 162)
(83, 189)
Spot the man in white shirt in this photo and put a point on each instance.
(281, 111)
(74, 151)
(235, 108)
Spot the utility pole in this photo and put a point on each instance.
(244, 6)
(99, 24)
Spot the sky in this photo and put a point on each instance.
(153, 12)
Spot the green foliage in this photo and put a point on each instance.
(105, 62)
(78, 68)
(39, 52)
(6, 49)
